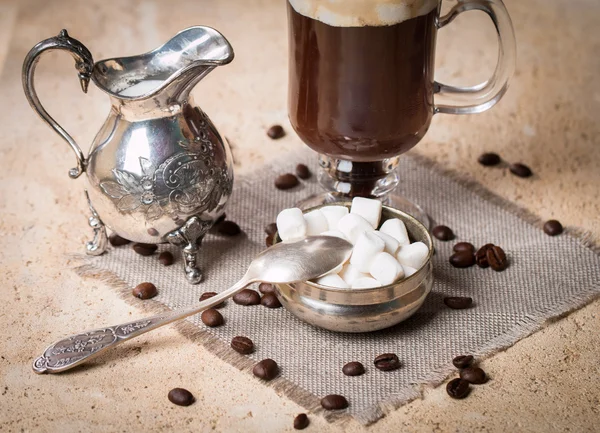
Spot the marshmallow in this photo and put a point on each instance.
(396, 229)
(350, 274)
(335, 233)
(408, 271)
(316, 223)
(336, 270)
(333, 280)
(291, 225)
(413, 255)
(391, 244)
(367, 246)
(386, 269)
(365, 283)
(334, 214)
(353, 225)
(368, 208)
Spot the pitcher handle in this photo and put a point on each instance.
(479, 98)
(84, 65)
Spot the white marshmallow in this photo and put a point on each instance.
(367, 246)
(391, 244)
(334, 214)
(316, 223)
(335, 233)
(353, 225)
(396, 229)
(368, 208)
(336, 270)
(386, 269)
(408, 271)
(291, 225)
(350, 274)
(333, 280)
(365, 283)
(413, 255)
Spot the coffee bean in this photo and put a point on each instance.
(387, 362)
(462, 361)
(117, 241)
(301, 422)
(145, 291)
(220, 219)
(242, 345)
(166, 258)
(481, 256)
(553, 228)
(520, 170)
(334, 402)
(229, 228)
(302, 171)
(265, 288)
(353, 368)
(212, 318)
(443, 233)
(269, 241)
(181, 397)
(270, 301)
(152, 231)
(497, 258)
(266, 369)
(271, 229)
(144, 249)
(458, 302)
(474, 375)
(286, 181)
(275, 132)
(489, 159)
(458, 388)
(247, 297)
(208, 295)
(462, 259)
(464, 246)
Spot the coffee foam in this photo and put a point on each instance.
(359, 13)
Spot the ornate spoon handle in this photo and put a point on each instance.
(79, 348)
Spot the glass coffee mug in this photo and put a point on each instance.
(362, 89)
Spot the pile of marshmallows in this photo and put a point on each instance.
(379, 257)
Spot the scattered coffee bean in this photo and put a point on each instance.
(458, 302)
(474, 375)
(117, 241)
(275, 132)
(481, 256)
(497, 258)
(353, 368)
(229, 228)
(152, 231)
(387, 362)
(266, 369)
(181, 397)
(145, 291)
(212, 318)
(462, 259)
(242, 345)
(553, 228)
(271, 229)
(144, 249)
(286, 181)
(265, 288)
(458, 388)
(270, 301)
(334, 402)
(489, 159)
(269, 241)
(301, 422)
(247, 297)
(464, 246)
(220, 219)
(166, 258)
(302, 171)
(208, 295)
(520, 170)
(463, 361)
(443, 233)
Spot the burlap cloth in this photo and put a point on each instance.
(547, 277)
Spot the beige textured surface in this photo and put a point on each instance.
(547, 382)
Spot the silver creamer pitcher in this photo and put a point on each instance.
(158, 170)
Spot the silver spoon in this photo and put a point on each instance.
(282, 263)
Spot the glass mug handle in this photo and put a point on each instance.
(479, 98)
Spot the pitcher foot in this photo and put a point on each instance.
(188, 238)
(99, 244)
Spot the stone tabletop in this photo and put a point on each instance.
(549, 381)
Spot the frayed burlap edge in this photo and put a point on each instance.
(525, 327)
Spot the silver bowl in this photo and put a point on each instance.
(362, 310)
